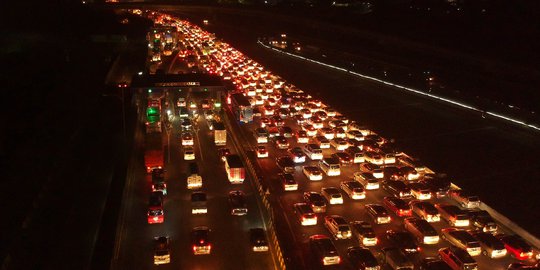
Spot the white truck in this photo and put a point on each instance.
(194, 179)
(220, 134)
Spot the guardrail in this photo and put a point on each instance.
(439, 98)
(500, 218)
(262, 192)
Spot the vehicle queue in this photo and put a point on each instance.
(312, 142)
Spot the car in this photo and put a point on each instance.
(522, 266)
(289, 184)
(403, 240)
(369, 181)
(187, 139)
(316, 201)
(286, 132)
(340, 133)
(281, 142)
(264, 121)
(301, 136)
(354, 189)
(464, 198)
(272, 131)
(364, 232)
(313, 151)
(420, 191)
(297, 155)
(431, 263)
(162, 251)
(491, 246)
(155, 212)
(158, 176)
(344, 158)
(408, 172)
(160, 187)
(327, 133)
(286, 164)
(517, 247)
(373, 157)
(262, 152)
(189, 153)
(378, 213)
(313, 173)
(354, 134)
(462, 239)
(322, 142)
(483, 221)
(395, 258)
(237, 200)
(261, 135)
(397, 188)
(200, 240)
(425, 210)
(305, 214)
(324, 250)
(457, 258)
(439, 186)
(339, 144)
(257, 239)
(398, 206)
(422, 230)
(453, 215)
(362, 258)
(332, 195)
(223, 153)
(186, 125)
(268, 110)
(337, 225)
(372, 168)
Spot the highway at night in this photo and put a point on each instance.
(273, 98)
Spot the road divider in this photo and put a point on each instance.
(439, 98)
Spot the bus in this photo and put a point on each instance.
(242, 108)
(330, 166)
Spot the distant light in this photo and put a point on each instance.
(168, 112)
(149, 90)
(140, 73)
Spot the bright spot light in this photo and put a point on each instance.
(140, 73)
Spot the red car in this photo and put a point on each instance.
(398, 206)
(516, 246)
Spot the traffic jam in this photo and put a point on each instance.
(351, 199)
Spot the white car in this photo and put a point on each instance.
(189, 153)
(187, 139)
(332, 195)
(339, 144)
(354, 189)
(313, 173)
(262, 152)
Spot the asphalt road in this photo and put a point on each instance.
(487, 156)
(229, 234)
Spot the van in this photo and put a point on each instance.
(453, 215)
(395, 259)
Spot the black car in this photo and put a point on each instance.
(158, 176)
(257, 238)
(316, 201)
(403, 240)
(483, 221)
(438, 186)
(432, 263)
(362, 258)
(286, 164)
(286, 131)
(397, 188)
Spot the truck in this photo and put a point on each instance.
(198, 203)
(194, 179)
(153, 153)
(220, 134)
(236, 173)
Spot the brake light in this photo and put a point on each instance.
(338, 260)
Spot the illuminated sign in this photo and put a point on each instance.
(178, 84)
